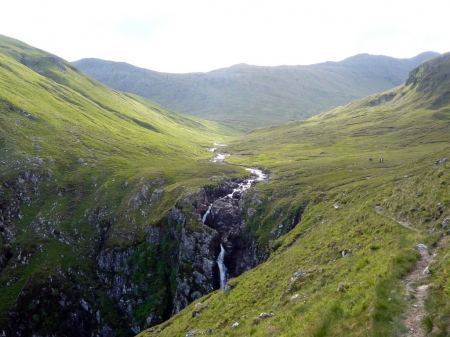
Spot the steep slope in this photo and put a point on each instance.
(369, 181)
(246, 97)
(93, 184)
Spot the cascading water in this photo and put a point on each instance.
(206, 214)
(257, 175)
(223, 271)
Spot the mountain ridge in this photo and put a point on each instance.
(245, 96)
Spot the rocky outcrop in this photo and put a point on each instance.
(172, 263)
(196, 260)
(14, 194)
(240, 247)
(53, 304)
(208, 220)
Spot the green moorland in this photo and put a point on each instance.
(359, 223)
(75, 156)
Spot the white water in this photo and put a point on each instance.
(257, 174)
(206, 214)
(222, 268)
(219, 158)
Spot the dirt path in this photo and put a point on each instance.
(403, 223)
(416, 294)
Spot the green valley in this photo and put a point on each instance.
(115, 222)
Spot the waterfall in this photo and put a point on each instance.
(222, 269)
(206, 214)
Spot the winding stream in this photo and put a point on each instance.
(257, 175)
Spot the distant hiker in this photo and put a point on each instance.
(381, 160)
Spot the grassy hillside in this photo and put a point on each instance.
(79, 163)
(245, 97)
(344, 269)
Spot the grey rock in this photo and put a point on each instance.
(295, 297)
(106, 331)
(411, 285)
(265, 315)
(298, 274)
(154, 235)
(421, 246)
(135, 329)
(199, 278)
(227, 288)
(115, 260)
(84, 304)
(440, 162)
(251, 212)
(196, 295)
(153, 319)
(198, 309)
(342, 287)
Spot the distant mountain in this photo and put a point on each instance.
(245, 96)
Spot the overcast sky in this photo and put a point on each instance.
(202, 35)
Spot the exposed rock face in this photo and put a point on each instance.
(114, 262)
(13, 195)
(198, 272)
(41, 296)
(196, 261)
(241, 252)
(156, 276)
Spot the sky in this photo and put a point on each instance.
(181, 36)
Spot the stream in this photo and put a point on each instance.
(257, 175)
